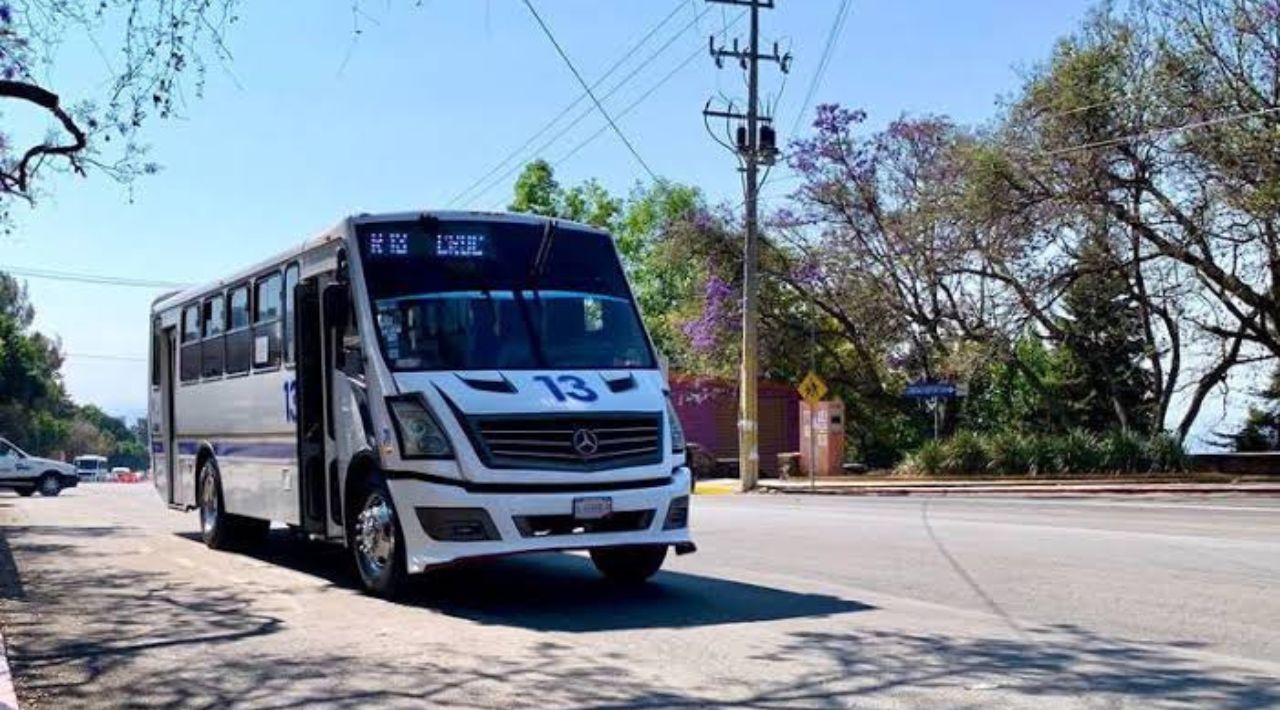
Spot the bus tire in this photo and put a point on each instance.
(214, 527)
(376, 539)
(219, 529)
(49, 485)
(25, 492)
(629, 565)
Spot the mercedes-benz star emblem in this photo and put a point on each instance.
(585, 442)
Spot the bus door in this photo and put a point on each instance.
(164, 453)
(346, 408)
(311, 367)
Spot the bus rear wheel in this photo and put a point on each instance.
(376, 540)
(219, 529)
(629, 565)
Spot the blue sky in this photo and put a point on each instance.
(306, 125)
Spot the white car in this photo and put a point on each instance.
(27, 474)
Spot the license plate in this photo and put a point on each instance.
(592, 508)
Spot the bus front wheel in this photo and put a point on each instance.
(629, 565)
(376, 540)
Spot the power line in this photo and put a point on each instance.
(837, 25)
(461, 196)
(1160, 132)
(545, 145)
(649, 92)
(102, 356)
(96, 279)
(599, 106)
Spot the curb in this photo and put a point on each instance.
(8, 695)
(1040, 491)
(704, 488)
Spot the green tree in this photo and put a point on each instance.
(1107, 385)
(537, 191)
(32, 400)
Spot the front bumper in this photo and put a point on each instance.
(69, 480)
(511, 511)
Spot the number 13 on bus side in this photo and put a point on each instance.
(290, 401)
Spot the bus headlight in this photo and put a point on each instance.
(677, 431)
(421, 436)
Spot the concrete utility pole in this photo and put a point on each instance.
(755, 143)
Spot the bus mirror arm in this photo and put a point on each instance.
(336, 307)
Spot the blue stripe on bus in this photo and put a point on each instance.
(243, 449)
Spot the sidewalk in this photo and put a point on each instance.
(1023, 487)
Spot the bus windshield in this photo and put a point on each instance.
(484, 295)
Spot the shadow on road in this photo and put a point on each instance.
(560, 592)
(95, 622)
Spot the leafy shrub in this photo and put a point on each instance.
(1123, 452)
(1042, 455)
(1007, 453)
(1165, 453)
(964, 454)
(926, 461)
(1079, 452)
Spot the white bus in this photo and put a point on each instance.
(423, 388)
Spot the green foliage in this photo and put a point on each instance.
(1123, 452)
(1008, 453)
(35, 412)
(964, 453)
(1078, 451)
(1042, 454)
(1165, 453)
(928, 460)
(1021, 391)
(1101, 332)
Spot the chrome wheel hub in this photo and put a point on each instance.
(208, 506)
(375, 535)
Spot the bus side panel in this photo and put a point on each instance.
(249, 422)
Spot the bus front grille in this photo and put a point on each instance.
(574, 442)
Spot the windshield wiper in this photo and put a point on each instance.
(544, 251)
(531, 287)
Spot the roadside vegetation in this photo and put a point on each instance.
(35, 411)
(1045, 455)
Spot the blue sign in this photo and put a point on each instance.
(930, 390)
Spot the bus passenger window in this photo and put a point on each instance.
(191, 347)
(239, 338)
(266, 322)
(215, 324)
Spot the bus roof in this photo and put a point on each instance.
(90, 457)
(177, 298)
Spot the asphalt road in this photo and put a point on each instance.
(792, 602)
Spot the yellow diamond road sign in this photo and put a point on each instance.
(812, 388)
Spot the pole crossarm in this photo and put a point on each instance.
(733, 115)
(719, 54)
